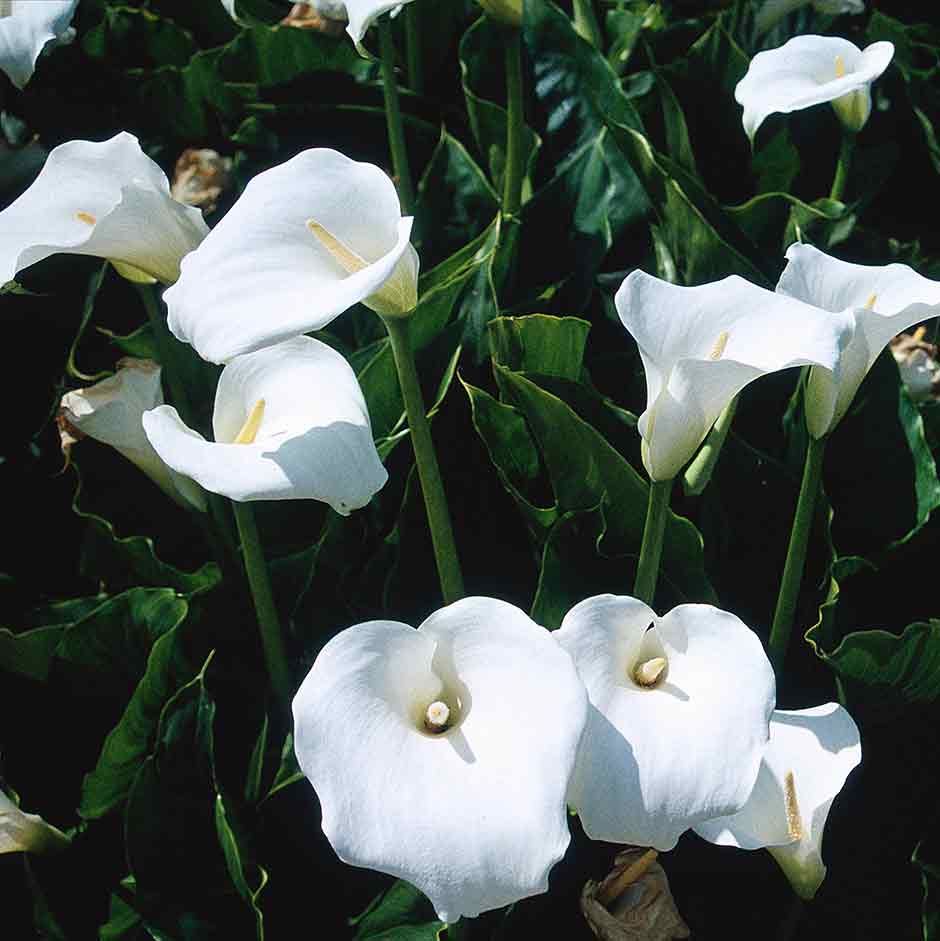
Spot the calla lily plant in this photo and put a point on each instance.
(700, 346)
(105, 199)
(810, 754)
(442, 755)
(290, 423)
(26, 28)
(812, 70)
(678, 721)
(111, 411)
(883, 300)
(322, 233)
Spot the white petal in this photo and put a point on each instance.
(363, 13)
(105, 199)
(263, 276)
(819, 747)
(701, 345)
(654, 762)
(882, 299)
(26, 833)
(475, 817)
(802, 73)
(25, 28)
(111, 411)
(314, 442)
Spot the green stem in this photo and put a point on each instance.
(651, 551)
(396, 130)
(515, 126)
(413, 49)
(846, 149)
(260, 583)
(699, 472)
(796, 553)
(585, 23)
(167, 351)
(435, 501)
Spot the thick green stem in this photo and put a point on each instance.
(435, 501)
(844, 162)
(396, 130)
(515, 125)
(260, 583)
(651, 551)
(585, 23)
(699, 472)
(796, 553)
(413, 49)
(166, 350)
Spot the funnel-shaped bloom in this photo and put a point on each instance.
(811, 70)
(305, 241)
(290, 423)
(26, 26)
(678, 721)
(811, 753)
(111, 411)
(110, 200)
(26, 833)
(701, 346)
(441, 755)
(883, 300)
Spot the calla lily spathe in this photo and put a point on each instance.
(111, 411)
(810, 755)
(883, 300)
(811, 70)
(442, 755)
(26, 27)
(678, 721)
(290, 423)
(363, 13)
(26, 833)
(105, 199)
(701, 346)
(304, 242)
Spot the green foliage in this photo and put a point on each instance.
(131, 676)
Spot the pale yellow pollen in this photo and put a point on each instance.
(719, 348)
(649, 672)
(86, 217)
(870, 303)
(794, 820)
(342, 253)
(840, 67)
(437, 716)
(249, 431)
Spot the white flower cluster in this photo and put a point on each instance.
(446, 755)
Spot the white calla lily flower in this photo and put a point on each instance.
(304, 242)
(701, 346)
(26, 27)
(810, 755)
(812, 70)
(882, 299)
(678, 721)
(442, 755)
(26, 833)
(290, 423)
(111, 411)
(105, 199)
